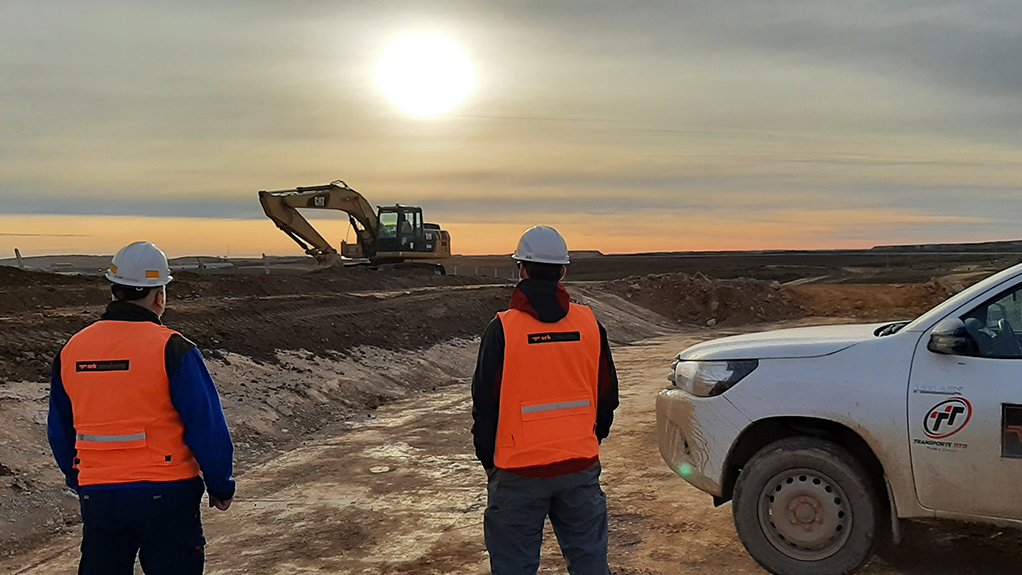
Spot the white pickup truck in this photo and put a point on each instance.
(825, 437)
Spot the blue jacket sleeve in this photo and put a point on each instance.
(206, 433)
(60, 427)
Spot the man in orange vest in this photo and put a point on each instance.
(134, 417)
(543, 399)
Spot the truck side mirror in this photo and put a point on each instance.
(950, 337)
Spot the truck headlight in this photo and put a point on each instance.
(709, 378)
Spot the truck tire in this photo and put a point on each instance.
(806, 506)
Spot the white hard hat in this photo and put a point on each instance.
(140, 264)
(542, 245)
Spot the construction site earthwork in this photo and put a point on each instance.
(348, 395)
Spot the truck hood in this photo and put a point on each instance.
(792, 343)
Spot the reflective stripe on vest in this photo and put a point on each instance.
(556, 406)
(126, 427)
(548, 390)
(112, 438)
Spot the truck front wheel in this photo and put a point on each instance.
(805, 506)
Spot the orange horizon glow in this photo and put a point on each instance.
(801, 230)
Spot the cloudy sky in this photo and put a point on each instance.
(632, 126)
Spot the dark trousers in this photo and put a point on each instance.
(158, 523)
(516, 511)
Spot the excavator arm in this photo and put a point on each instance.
(282, 207)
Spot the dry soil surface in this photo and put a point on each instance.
(348, 400)
(401, 493)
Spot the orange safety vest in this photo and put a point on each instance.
(548, 390)
(127, 429)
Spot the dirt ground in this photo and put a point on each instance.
(348, 399)
(402, 493)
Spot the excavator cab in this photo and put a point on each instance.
(402, 230)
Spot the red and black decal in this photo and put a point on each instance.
(1011, 431)
(554, 337)
(115, 365)
(947, 418)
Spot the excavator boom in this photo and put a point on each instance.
(282, 207)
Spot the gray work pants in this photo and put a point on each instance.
(516, 511)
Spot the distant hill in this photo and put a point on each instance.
(572, 253)
(66, 263)
(586, 254)
(90, 264)
(991, 247)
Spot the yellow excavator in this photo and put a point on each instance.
(388, 235)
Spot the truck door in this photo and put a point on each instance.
(965, 415)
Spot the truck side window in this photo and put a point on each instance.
(994, 326)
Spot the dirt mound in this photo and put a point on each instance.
(328, 323)
(873, 302)
(30, 290)
(332, 279)
(15, 278)
(324, 312)
(697, 299)
(321, 321)
(22, 290)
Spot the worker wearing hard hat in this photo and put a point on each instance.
(543, 399)
(134, 418)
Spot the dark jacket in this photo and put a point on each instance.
(193, 395)
(547, 302)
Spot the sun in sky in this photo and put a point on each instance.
(425, 74)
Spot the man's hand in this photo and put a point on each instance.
(221, 504)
